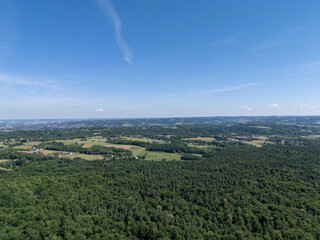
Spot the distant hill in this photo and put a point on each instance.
(75, 123)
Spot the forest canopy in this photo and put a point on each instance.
(229, 189)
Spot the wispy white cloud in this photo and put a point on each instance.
(305, 107)
(230, 89)
(311, 64)
(14, 80)
(168, 98)
(111, 13)
(293, 109)
(29, 97)
(268, 45)
(228, 40)
(293, 29)
(182, 96)
(12, 85)
(276, 105)
(311, 67)
(247, 108)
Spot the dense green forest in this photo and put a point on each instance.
(231, 190)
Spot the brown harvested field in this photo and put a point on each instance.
(126, 147)
(262, 138)
(205, 139)
(87, 145)
(262, 127)
(259, 142)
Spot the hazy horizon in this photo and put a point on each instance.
(133, 118)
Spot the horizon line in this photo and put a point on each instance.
(132, 118)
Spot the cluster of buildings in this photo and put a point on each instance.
(229, 140)
(35, 149)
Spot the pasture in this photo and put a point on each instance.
(136, 150)
(258, 142)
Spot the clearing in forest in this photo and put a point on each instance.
(199, 146)
(158, 156)
(258, 142)
(138, 139)
(136, 150)
(205, 139)
(122, 146)
(261, 127)
(27, 145)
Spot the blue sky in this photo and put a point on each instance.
(160, 58)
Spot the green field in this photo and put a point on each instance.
(158, 156)
(261, 127)
(199, 146)
(27, 145)
(138, 139)
(136, 150)
(83, 156)
(205, 139)
(258, 142)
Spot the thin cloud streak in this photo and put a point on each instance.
(228, 40)
(12, 80)
(293, 29)
(192, 95)
(111, 13)
(311, 67)
(230, 89)
(268, 45)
